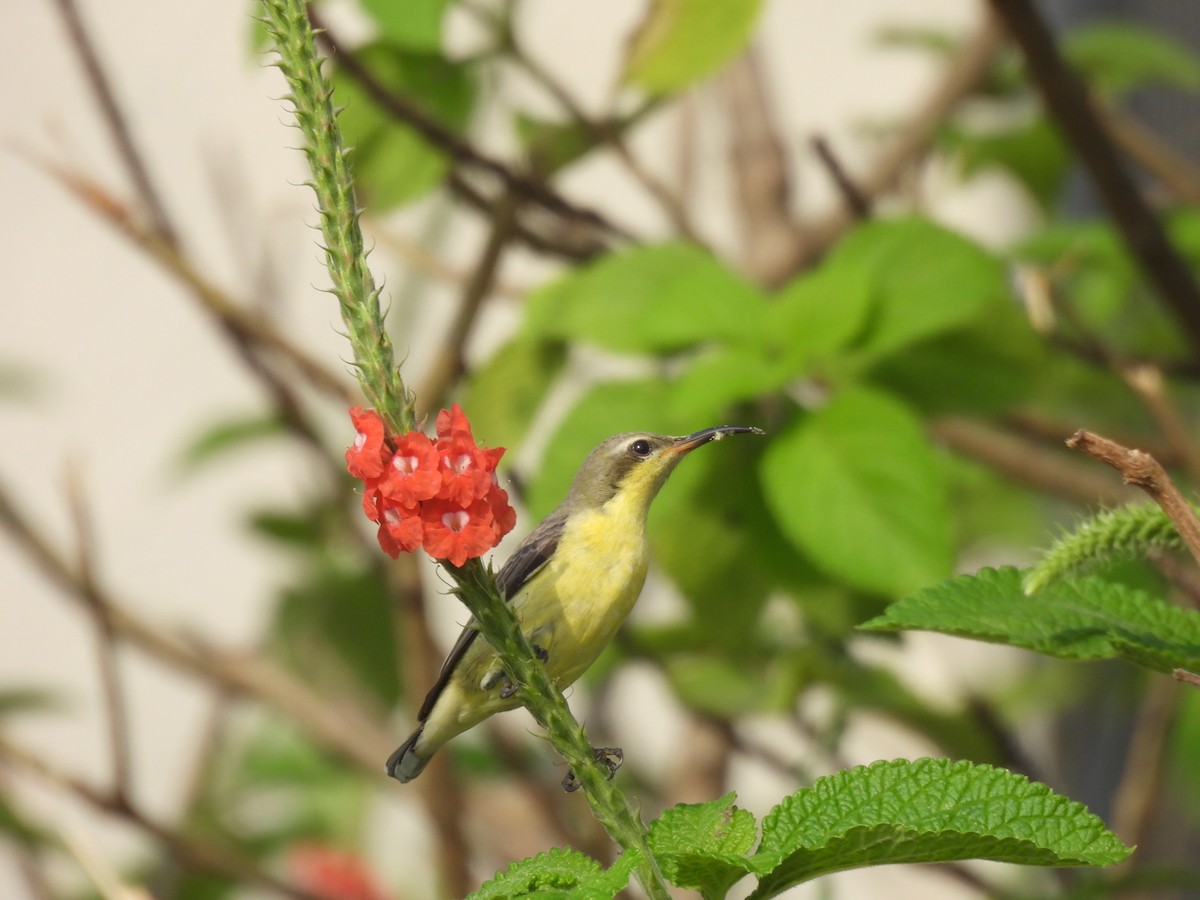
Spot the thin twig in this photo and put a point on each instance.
(857, 203)
(537, 229)
(457, 149)
(962, 75)
(1148, 383)
(1143, 470)
(421, 261)
(230, 312)
(106, 642)
(1066, 97)
(606, 134)
(450, 363)
(1138, 788)
(1178, 173)
(440, 790)
(1024, 461)
(342, 729)
(199, 854)
(759, 167)
(1186, 677)
(118, 126)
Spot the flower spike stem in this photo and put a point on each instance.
(287, 23)
(477, 590)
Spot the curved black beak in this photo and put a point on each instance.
(716, 433)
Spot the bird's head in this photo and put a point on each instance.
(636, 464)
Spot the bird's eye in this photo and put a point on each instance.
(640, 448)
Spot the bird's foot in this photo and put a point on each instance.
(609, 757)
(499, 676)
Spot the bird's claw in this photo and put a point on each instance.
(508, 690)
(609, 757)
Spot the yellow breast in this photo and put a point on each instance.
(574, 606)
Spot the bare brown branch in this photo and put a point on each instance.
(1067, 99)
(962, 75)
(191, 851)
(1137, 791)
(456, 148)
(1024, 461)
(759, 166)
(1186, 677)
(116, 714)
(114, 118)
(231, 313)
(1143, 470)
(450, 363)
(857, 203)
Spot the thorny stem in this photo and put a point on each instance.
(345, 256)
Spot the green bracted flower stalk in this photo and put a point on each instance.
(355, 289)
(545, 702)
(353, 285)
(1128, 532)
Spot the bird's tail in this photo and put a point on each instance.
(405, 764)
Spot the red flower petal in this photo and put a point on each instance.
(456, 533)
(371, 500)
(465, 477)
(367, 457)
(400, 529)
(504, 517)
(412, 474)
(332, 874)
(453, 422)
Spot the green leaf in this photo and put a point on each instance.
(858, 488)
(414, 24)
(648, 299)
(1120, 56)
(605, 410)
(1006, 361)
(20, 700)
(682, 41)
(21, 383)
(1033, 153)
(552, 146)
(727, 375)
(819, 313)
(935, 41)
(16, 827)
(392, 163)
(287, 527)
(224, 438)
(704, 845)
(713, 502)
(336, 631)
(715, 686)
(929, 810)
(1087, 618)
(925, 278)
(559, 873)
(506, 392)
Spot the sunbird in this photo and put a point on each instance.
(571, 583)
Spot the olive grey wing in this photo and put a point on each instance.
(527, 559)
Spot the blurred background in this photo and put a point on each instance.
(539, 179)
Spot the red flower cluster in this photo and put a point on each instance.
(332, 874)
(441, 495)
